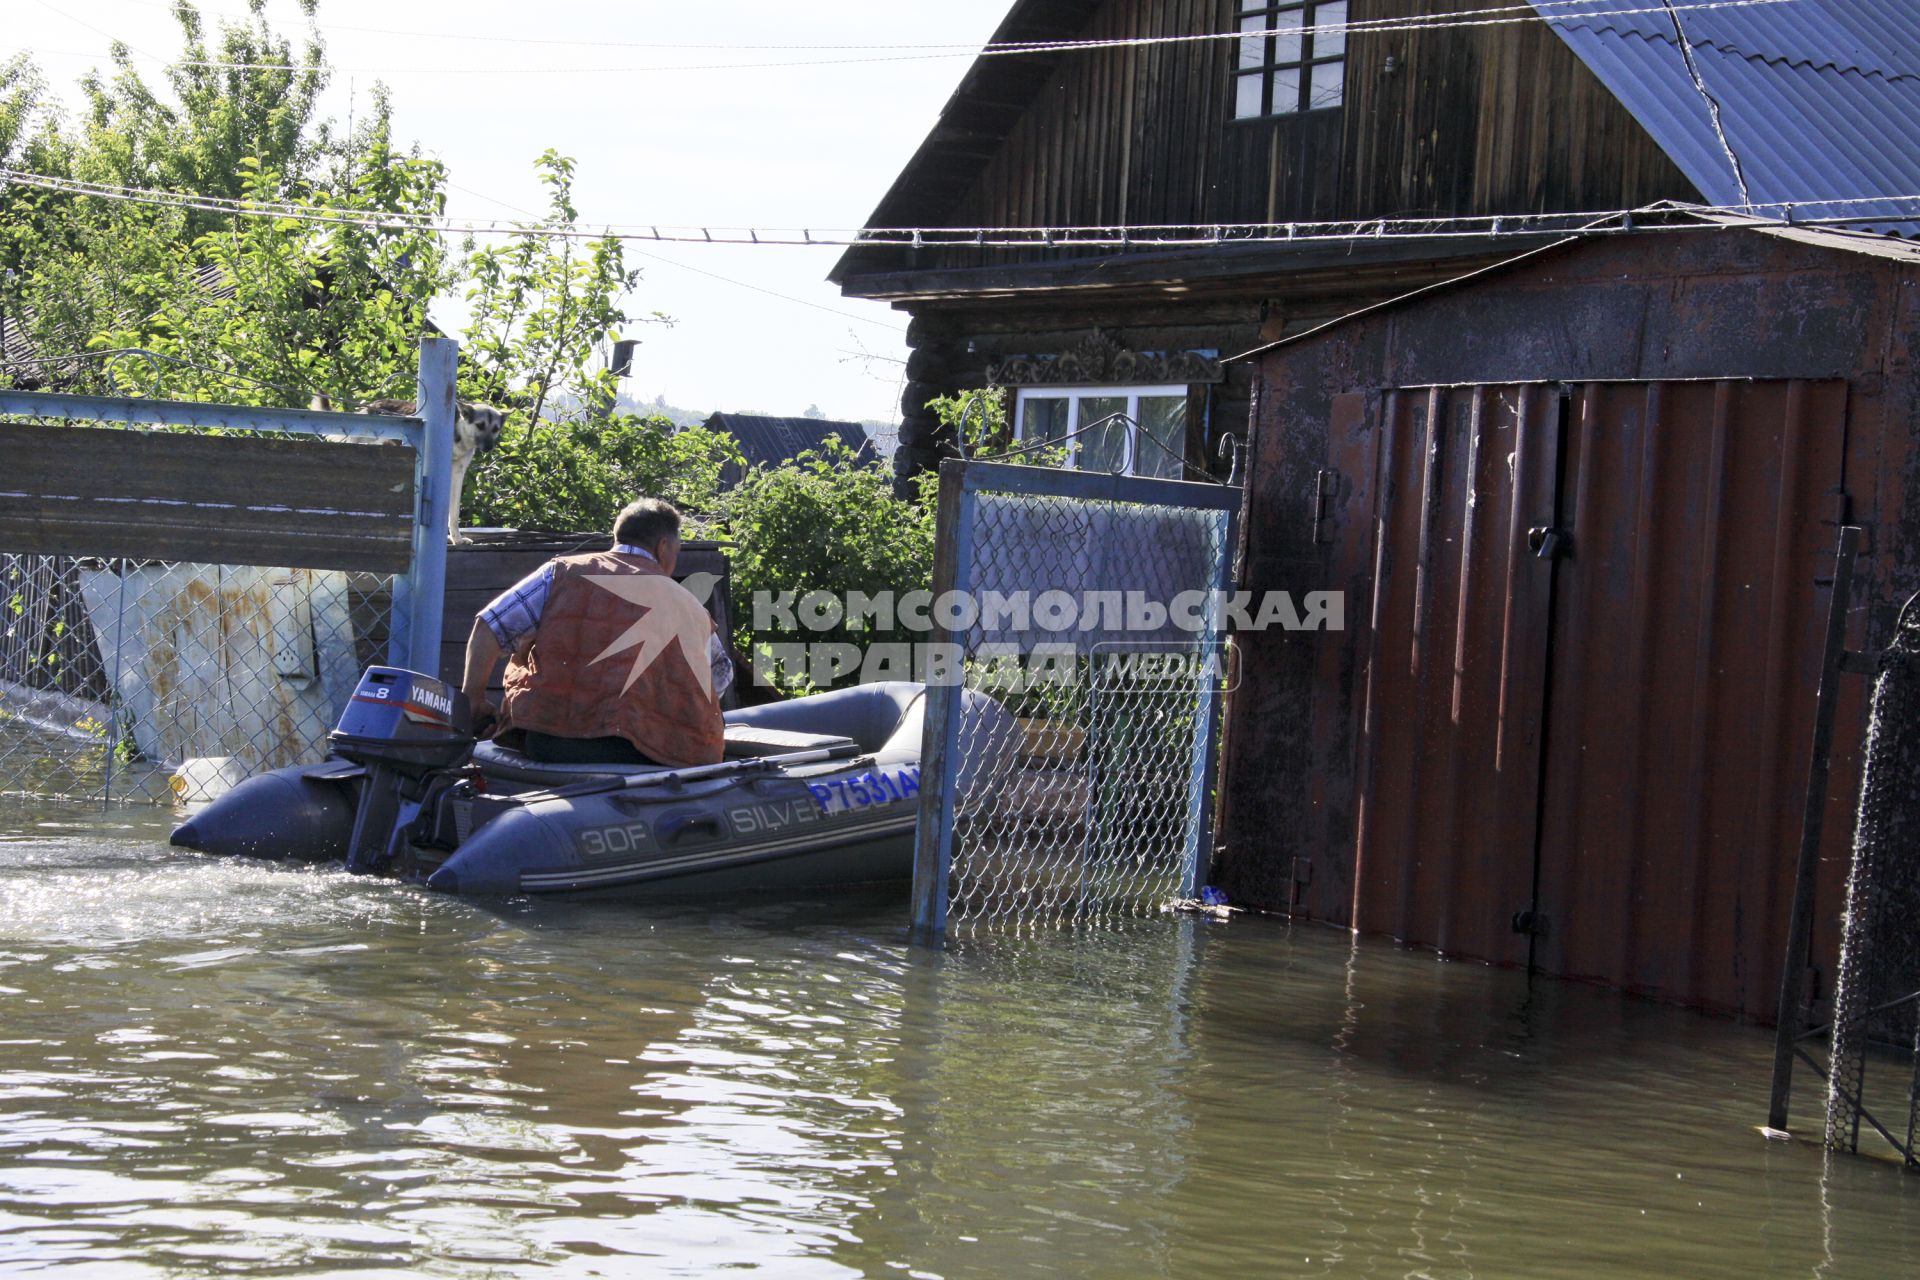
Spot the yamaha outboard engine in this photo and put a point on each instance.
(405, 729)
(397, 746)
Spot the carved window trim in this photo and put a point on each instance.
(1102, 361)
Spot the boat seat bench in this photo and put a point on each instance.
(746, 741)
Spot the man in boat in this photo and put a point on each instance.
(611, 661)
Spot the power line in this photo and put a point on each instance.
(600, 43)
(1529, 12)
(1008, 48)
(81, 22)
(1713, 103)
(894, 329)
(1809, 212)
(1493, 16)
(711, 275)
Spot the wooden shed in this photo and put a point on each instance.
(1584, 510)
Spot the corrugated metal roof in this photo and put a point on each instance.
(1819, 99)
(768, 441)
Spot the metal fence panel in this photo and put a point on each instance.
(115, 674)
(129, 678)
(1093, 613)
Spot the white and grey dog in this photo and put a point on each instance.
(476, 429)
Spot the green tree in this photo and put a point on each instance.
(544, 304)
(80, 273)
(575, 476)
(543, 308)
(215, 118)
(191, 139)
(300, 308)
(979, 417)
(22, 114)
(331, 298)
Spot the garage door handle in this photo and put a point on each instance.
(1549, 543)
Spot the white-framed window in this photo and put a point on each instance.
(1057, 413)
(1285, 66)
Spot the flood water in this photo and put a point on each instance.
(214, 1068)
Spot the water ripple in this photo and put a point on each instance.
(222, 1068)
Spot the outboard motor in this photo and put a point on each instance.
(405, 729)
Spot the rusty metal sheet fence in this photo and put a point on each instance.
(1068, 771)
(130, 680)
(189, 591)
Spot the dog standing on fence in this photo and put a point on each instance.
(476, 429)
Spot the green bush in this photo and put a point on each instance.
(979, 417)
(825, 522)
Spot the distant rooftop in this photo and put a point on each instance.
(767, 441)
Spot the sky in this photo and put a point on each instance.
(689, 136)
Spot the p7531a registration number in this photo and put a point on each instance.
(882, 786)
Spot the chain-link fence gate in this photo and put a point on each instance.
(1876, 996)
(1089, 608)
(191, 590)
(1876, 992)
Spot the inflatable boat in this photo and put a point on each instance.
(814, 793)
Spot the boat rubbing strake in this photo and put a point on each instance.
(815, 792)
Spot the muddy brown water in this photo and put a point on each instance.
(218, 1068)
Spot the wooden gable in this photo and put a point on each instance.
(1499, 118)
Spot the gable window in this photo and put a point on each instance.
(1057, 413)
(1285, 65)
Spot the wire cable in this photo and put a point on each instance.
(1578, 9)
(711, 275)
(946, 48)
(894, 329)
(108, 35)
(154, 359)
(1713, 103)
(1136, 236)
(1493, 16)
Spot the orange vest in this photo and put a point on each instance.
(579, 679)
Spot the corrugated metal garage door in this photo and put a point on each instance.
(1592, 652)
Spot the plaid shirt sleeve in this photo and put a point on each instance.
(515, 613)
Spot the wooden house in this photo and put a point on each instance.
(1242, 112)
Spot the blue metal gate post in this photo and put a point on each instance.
(413, 639)
(1206, 729)
(933, 837)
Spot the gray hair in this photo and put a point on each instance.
(644, 521)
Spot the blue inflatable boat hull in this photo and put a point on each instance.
(817, 793)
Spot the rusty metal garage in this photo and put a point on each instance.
(1584, 509)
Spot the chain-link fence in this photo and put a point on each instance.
(1877, 993)
(148, 680)
(188, 592)
(1089, 609)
